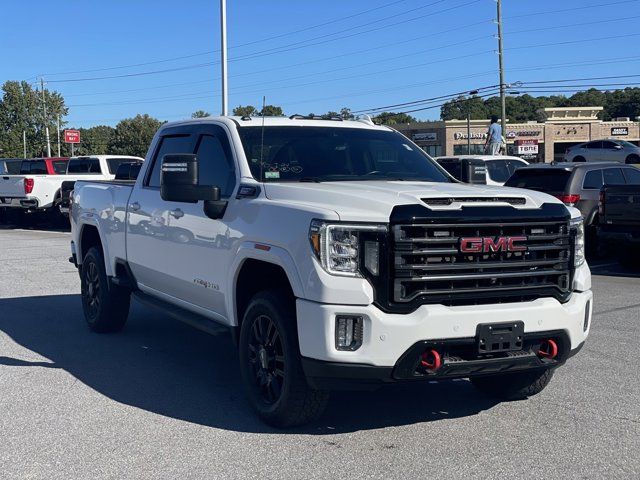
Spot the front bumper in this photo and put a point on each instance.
(388, 337)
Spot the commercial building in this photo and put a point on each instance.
(537, 141)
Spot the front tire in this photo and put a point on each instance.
(105, 306)
(513, 386)
(270, 363)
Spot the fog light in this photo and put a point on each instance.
(349, 332)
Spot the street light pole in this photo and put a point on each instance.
(59, 135)
(503, 104)
(472, 92)
(223, 46)
(46, 122)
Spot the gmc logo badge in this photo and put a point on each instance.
(492, 244)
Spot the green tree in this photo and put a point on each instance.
(246, 111)
(132, 136)
(200, 114)
(391, 118)
(93, 141)
(346, 114)
(271, 111)
(21, 110)
(330, 114)
(457, 109)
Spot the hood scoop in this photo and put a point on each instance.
(444, 201)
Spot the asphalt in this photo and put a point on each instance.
(161, 400)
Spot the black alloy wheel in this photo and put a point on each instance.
(91, 290)
(266, 358)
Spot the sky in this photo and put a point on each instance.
(114, 59)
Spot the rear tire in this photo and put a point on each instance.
(578, 159)
(513, 386)
(105, 305)
(270, 363)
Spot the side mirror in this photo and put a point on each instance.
(179, 180)
(179, 183)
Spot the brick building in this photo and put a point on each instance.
(562, 128)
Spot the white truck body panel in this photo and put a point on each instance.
(179, 255)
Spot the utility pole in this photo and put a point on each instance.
(59, 135)
(223, 46)
(46, 123)
(24, 143)
(471, 93)
(503, 101)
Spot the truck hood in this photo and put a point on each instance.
(372, 201)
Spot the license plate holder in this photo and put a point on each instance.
(499, 337)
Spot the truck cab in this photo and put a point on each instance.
(338, 255)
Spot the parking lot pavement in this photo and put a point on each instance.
(161, 400)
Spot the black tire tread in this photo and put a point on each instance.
(114, 307)
(304, 403)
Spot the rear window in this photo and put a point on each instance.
(84, 166)
(501, 170)
(547, 180)
(114, 163)
(33, 167)
(60, 167)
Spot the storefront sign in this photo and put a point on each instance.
(523, 133)
(425, 137)
(620, 131)
(474, 136)
(527, 147)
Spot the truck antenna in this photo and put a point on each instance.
(264, 101)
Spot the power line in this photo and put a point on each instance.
(209, 52)
(568, 25)
(610, 77)
(581, 7)
(281, 49)
(568, 42)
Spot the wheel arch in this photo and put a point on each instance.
(256, 269)
(90, 237)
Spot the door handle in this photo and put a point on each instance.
(177, 213)
(135, 206)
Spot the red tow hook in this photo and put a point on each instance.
(431, 360)
(548, 349)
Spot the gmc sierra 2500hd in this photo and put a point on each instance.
(340, 256)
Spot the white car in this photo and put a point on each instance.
(43, 191)
(339, 255)
(482, 169)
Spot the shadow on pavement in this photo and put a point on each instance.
(165, 367)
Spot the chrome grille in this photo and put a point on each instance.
(429, 267)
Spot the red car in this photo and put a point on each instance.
(44, 166)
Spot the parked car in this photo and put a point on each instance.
(38, 187)
(608, 150)
(126, 171)
(10, 166)
(339, 255)
(619, 228)
(44, 166)
(481, 169)
(577, 185)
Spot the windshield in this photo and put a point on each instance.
(501, 170)
(293, 154)
(627, 144)
(542, 180)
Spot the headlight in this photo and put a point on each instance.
(338, 247)
(577, 226)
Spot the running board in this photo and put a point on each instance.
(195, 320)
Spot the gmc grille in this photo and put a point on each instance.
(429, 267)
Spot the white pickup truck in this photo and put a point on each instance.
(42, 191)
(340, 256)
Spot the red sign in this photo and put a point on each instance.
(71, 136)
